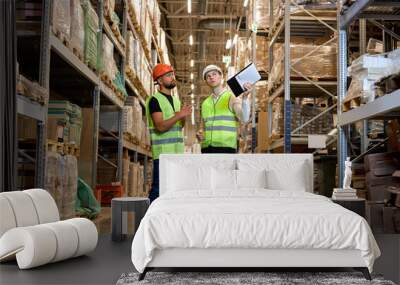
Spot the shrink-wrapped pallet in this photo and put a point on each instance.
(61, 18)
(108, 63)
(91, 32)
(77, 27)
(320, 64)
(70, 187)
(54, 177)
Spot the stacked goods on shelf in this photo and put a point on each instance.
(261, 94)
(149, 176)
(132, 58)
(300, 115)
(262, 57)
(321, 64)
(243, 53)
(109, 70)
(365, 72)
(109, 6)
(75, 127)
(379, 169)
(155, 14)
(136, 117)
(61, 181)
(262, 14)
(59, 114)
(70, 187)
(61, 20)
(136, 181)
(32, 90)
(108, 120)
(77, 39)
(91, 32)
(64, 122)
(162, 43)
(145, 134)
(382, 181)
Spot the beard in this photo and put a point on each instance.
(172, 85)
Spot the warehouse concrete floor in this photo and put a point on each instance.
(111, 259)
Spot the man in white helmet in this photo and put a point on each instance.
(221, 113)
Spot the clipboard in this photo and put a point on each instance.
(249, 74)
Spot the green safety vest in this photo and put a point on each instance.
(170, 141)
(220, 122)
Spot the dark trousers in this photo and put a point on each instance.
(214, 149)
(155, 185)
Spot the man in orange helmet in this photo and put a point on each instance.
(165, 119)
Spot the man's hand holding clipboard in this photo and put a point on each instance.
(243, 81)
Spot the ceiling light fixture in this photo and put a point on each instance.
(189, 6)
(191, 63)
(192, 86)
(191, 76)
(245, 2)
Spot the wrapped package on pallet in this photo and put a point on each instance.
(262, 57)
(70, 187)
(108, 65)
(77, 27)
(262, 14)
(54, 174)
(321, 63)
(61, 18)
(59, 114)
(91, 32)
(132, 49)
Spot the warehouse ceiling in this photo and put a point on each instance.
(211, 23)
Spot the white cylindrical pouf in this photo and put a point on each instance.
(7, 218)
(87, 233)
(67, 240)
(34, 246)
(23, 207)
(45, 205)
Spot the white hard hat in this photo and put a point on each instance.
(209, 68)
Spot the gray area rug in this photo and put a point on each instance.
(273, 278)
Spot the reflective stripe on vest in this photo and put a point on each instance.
(220, 122)
(170, 141)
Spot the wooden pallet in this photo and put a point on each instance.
(55, 146)
(91, 66)
(71, 149)
(117, 33)
(351, 104)
(77, 53)
(61, 37)
(107, 81)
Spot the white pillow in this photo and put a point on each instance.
(188, 177)
(293, 178)
(223, 179)
(251, 179)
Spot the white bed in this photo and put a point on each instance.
(201, 220)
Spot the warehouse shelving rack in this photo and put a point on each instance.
(385, 107)
(305, 24)
(52, 47)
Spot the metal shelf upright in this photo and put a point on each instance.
(387, 106)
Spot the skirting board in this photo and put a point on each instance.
(178, 257)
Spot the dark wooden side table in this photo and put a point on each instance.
(355, 205)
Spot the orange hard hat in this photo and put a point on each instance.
(161, 69)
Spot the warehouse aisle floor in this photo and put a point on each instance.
(111, 259)
(103, 266)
